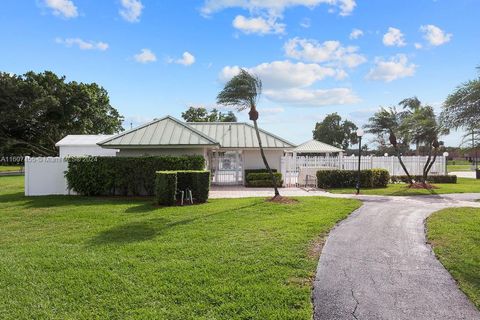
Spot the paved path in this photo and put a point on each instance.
(464, 174)
(376, 265)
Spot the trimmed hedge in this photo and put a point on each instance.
(262, 179)
(375, 178)
(165, 187)
(248, 171)
(381, 177)
(197, 181)
(431, 179)
(168, 182)
(94, 176)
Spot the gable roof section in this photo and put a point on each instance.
(239, 135)
(164, 132)
(82, 140)
(315, 146)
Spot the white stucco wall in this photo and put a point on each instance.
(86, 150)
(45, 176)
(132, 152)
(253, 160)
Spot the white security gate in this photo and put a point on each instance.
(227, 168)
(291, 166)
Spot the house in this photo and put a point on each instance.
(228, 147)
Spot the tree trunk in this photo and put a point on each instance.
(426, 166)
(433, 161)
(403, 165)
(274, 180)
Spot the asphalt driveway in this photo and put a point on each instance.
(377, 265)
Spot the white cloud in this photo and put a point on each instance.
(288, 82)
(145, 56)
(258, 25)
(394, 37)
(283, 74)
(418, 45)
(187, 59)
(356, 33)
(434, 35)
(64, 8)
(274, 7)
(271, 111)
(131, 10)
(82, 44)
(392, 69)
(328, 52)
(313, 97)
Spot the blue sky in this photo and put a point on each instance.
(314, 56)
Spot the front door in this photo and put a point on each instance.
(226, 168)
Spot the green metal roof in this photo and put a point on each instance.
(164, 132)
(170, 132)
(239, 135)
(315, 146)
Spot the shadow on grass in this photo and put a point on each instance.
(138, 231)
(61, 200)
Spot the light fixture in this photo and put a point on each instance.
(360, 132)
(445, 154)
(385, 154)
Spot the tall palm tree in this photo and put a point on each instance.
(243, 92)
(388, 122)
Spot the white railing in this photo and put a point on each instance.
(291, 166)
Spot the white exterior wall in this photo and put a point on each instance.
(86, 150)
(133, 152)
(253, 160)
(45, 176)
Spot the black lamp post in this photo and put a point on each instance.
(360, 134)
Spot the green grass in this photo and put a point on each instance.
(97, 258)
(10, 168)
(455, 236)
(459, 167)
(464, 185)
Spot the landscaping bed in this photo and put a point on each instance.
(455, 237)
(83, 258)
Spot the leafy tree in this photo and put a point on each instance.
(387, 122)
(462, 109)
(335, 132)
(421, 127)
(200, 114)
(38, 109)
(243, 92)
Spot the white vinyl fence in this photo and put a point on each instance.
(291, 166)
(45, 176)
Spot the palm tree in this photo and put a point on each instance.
(387, 122)
(243, 92)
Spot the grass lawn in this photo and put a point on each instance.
(459, 167)
(455, 237)
(464, 185)
(97, 258)
(10, 168)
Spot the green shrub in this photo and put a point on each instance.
(123, 175)
(376, 178)
(380, 177)
(262, 179)
(197, 181)
(248, 171)
(165, 187)
(431, 179)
